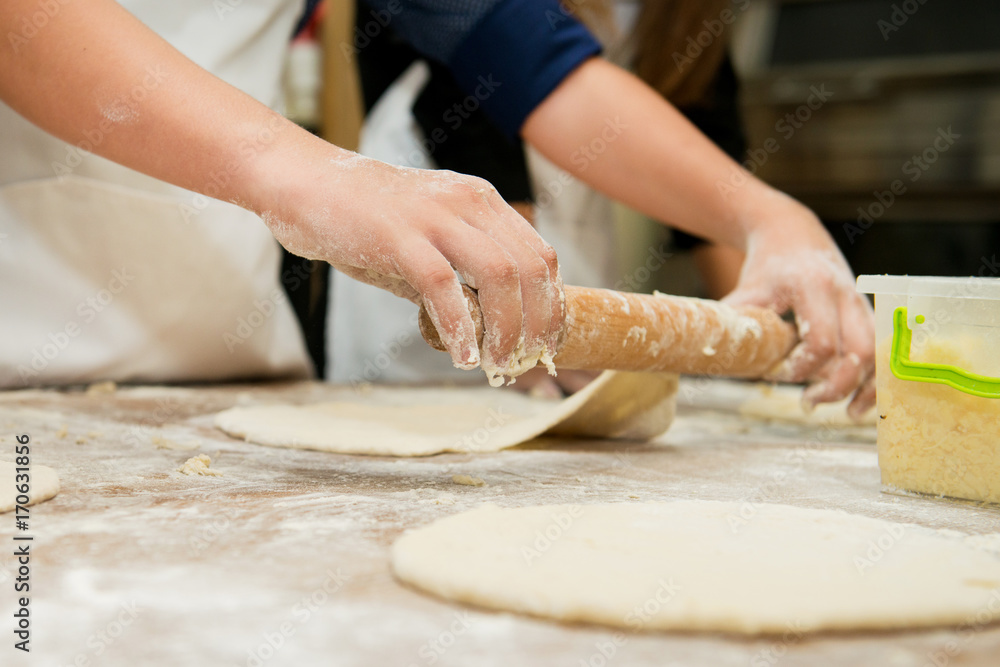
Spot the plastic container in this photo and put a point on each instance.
(938, 378)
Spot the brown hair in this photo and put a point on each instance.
(597, 15)
(672, 54)
(669, 55)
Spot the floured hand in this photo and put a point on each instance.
(416, 233)
(794, 265)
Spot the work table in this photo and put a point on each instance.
(284, 558)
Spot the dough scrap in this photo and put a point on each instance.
(44, 484)
(102, 388)
(700, 565)
(467, 480)
(421, 422)
(161, 442)
(199, 465)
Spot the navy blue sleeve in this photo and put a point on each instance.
(435, 28)
(506, 54)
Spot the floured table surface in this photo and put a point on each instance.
(283, 560)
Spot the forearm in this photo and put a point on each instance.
(614, 133)
(96, 77)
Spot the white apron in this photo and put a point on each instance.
(108, 274)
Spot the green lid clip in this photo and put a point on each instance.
(956, 378)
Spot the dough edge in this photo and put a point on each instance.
(44, 485)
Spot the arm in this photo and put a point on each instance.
(613, 132)
(402, 229)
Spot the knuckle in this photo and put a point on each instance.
(474, 188)
(548, 255)
(480, 183)
(502, 270)
(866, 356)
(535, 270)
(438, 277)
(823, 347)
(824, 284)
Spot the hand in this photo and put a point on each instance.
(409, 231)
(793, 264)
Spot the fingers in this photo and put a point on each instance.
(544, 291)
(847, 372)
(754, 296)
(818, 320)
(864, 399)
(516, 273)
(541, 286)
(489, 267)
(837, 346)
(838, 381)
(441, 293)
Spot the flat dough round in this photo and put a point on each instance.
(784, 404)
(420, 422)
(702, 565)
(44, 484)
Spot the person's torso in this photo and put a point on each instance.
(108, 274)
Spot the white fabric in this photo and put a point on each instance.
(108, 274)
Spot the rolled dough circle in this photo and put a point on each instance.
(44, 484)
(784, 404)
(701, 565)
(421, 422)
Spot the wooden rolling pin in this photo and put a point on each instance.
(608, 330)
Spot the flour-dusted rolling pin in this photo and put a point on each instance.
(608, 330)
